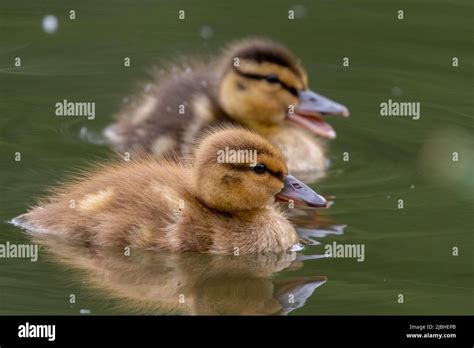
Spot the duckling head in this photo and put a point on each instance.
(263, 84)
(237, 170)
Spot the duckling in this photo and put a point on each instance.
(213, 204)
(257, 83)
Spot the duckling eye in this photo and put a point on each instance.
(272, 78)
(260, 168)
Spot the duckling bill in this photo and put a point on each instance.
(256, 83)
(204, 205)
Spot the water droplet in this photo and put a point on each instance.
(50, 24)
(206, 32)
(397, 91)
(296, 247)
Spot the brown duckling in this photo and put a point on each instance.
(221, 202)
(256, 83)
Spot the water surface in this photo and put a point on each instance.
(408, 251)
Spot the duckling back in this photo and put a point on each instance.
(123, 204)
(168, 114)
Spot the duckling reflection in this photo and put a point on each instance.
(188, 283)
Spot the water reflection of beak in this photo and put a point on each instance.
(300, 290)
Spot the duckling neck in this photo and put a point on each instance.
(248, 231)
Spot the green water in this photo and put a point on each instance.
(408, 251)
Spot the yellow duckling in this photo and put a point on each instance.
(222, 202)
(256, 83)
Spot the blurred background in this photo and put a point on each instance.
(408, 251)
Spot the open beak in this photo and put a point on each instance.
(310, 111)
(300, 194)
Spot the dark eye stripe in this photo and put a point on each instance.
(245, 166)
(290, 89)
(278, 175)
